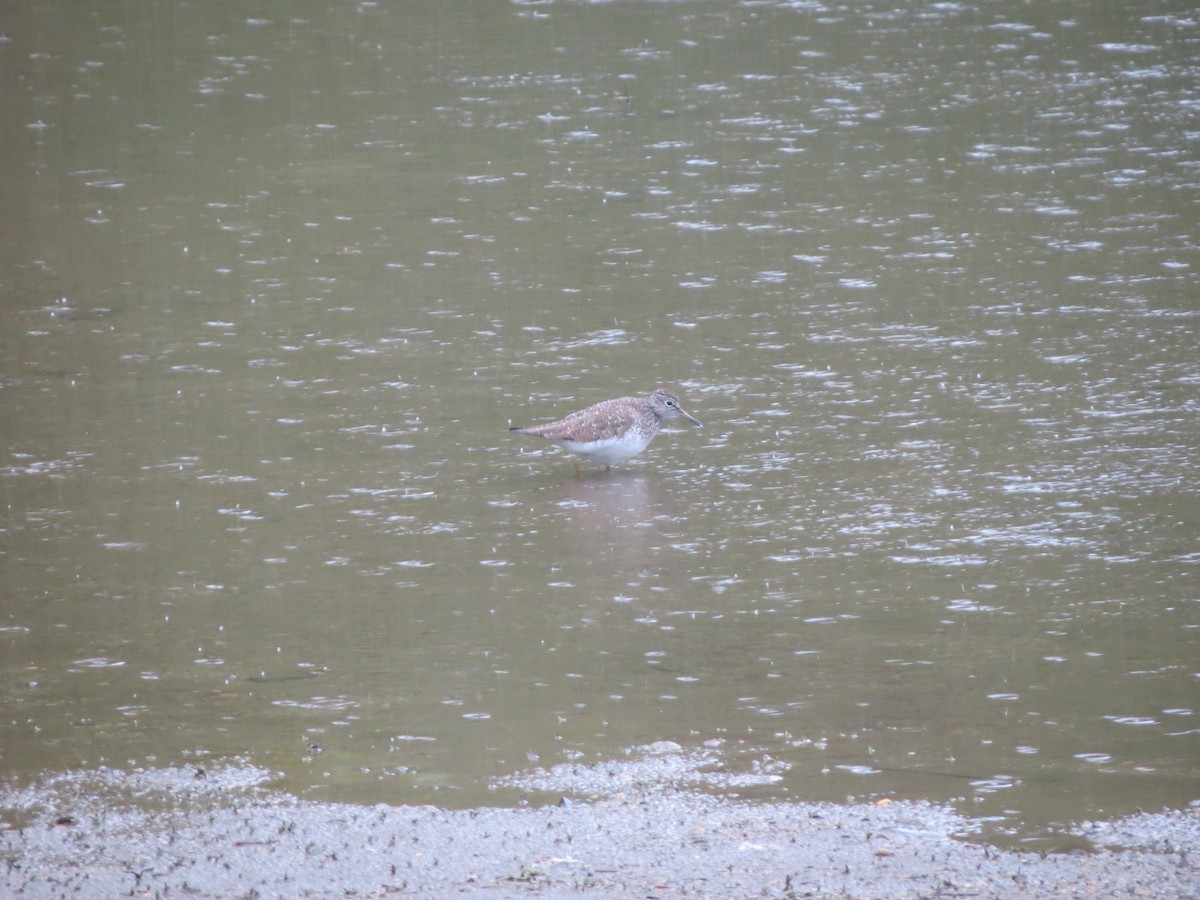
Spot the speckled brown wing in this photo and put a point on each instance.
(605, 420)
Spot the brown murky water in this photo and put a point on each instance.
(274, 285)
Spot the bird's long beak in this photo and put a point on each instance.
(695, 422)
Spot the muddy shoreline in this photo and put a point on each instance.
(222, 833)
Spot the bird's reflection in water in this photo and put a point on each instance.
(616, 517)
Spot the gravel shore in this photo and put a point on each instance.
(221, 833)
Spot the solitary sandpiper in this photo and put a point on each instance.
(613, 430)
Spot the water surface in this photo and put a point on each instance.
(275, 283)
